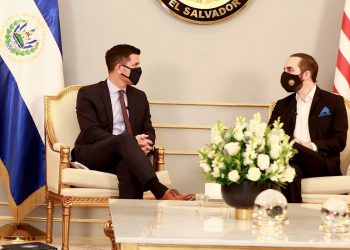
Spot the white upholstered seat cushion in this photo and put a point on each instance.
(89, 192)
(326, 185)
(83, 178)
(321, 198)
(89, 179)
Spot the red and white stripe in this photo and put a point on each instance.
(342, 72)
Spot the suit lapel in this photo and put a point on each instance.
(313, 117)
(292, 107)
(315, 100)
(106, 98)
(131, 106)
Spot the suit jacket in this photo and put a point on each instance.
(328, 124)
(95, 115)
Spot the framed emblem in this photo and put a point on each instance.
(203, 11)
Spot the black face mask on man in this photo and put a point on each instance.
(135, 74)
(290, 82)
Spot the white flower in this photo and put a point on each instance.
(289, 174)
(215, 134)
(216, 139)
(211, 155)
(233, 175)
(205, 166)
(275, 152)
(273, 168)
(221, 165)
(254, 174)
(238, 135)
(274, 139)
(216, 172)
(232, 148)
(263, 161)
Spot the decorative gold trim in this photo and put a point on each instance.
(181, 153)
(80, 201)
(109, 232)
(210, 104)
(55, 219)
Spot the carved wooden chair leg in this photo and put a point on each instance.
(109, 232)
(65, 226)
(49, 220)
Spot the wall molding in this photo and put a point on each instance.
(171, 126)
(210, 104)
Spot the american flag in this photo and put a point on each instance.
(342, 72)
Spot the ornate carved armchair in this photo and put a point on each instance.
(72, 187)
(319, 189)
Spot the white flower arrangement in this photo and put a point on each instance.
(248, 152)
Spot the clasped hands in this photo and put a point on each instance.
(145, 144)
(305, 144)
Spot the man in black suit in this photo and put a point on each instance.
(116, 129)
(315, 119)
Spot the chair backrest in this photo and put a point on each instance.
(345, 154)
(61, 121)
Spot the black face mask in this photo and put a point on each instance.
(290, 82)
(135, 74)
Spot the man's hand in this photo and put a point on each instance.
(144, 143)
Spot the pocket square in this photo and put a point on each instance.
(324, 112)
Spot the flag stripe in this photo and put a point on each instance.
(342, 72)
(341, 84)
(346, 25)
(343, 66)
(344, 46)
(24, 145)
(47, 9)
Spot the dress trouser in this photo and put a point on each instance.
(307, 163)
(121, 155)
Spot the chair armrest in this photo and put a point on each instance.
(60, 159)
(158, 159)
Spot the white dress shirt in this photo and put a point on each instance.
(118, 120)
(302, 131)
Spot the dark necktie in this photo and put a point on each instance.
(125, 114)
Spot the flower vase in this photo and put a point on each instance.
(242, 196)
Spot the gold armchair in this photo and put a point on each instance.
(319, 189)
(71, 187)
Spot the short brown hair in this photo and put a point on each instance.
(119, 54)
(307, 62)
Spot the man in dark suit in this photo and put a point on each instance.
(315, 119)
(116, 129)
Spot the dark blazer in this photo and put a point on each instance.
(328, 124)
(95, 115)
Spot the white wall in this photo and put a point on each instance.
(236, 61)
(207, 63)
